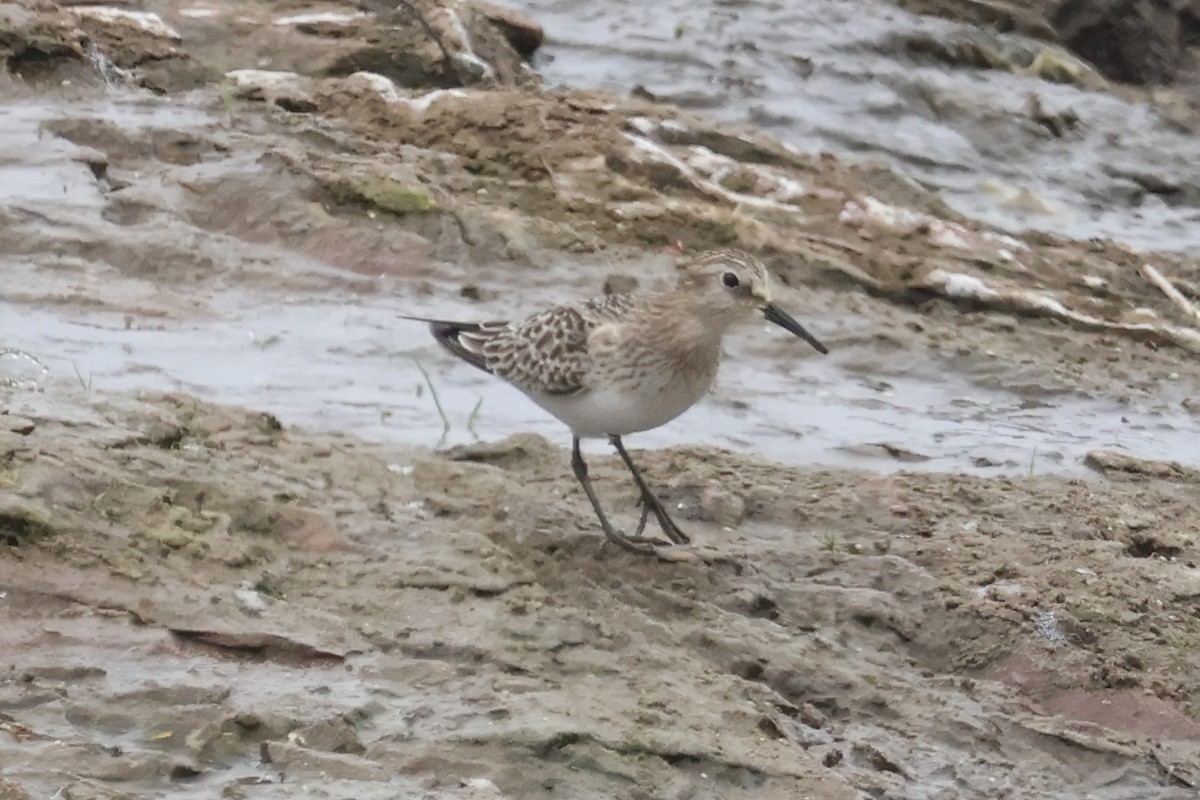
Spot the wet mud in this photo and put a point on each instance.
(258, 538)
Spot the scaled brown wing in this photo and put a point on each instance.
(545, 353)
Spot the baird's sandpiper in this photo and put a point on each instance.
(625, 363)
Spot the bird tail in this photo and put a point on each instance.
(463, 339)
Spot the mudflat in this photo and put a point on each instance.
(259, 539)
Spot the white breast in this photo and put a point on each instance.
(619, 408)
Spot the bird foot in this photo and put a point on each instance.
(642, 545)
(665, 522)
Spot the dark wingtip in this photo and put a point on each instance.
(448, 334)
(445, 331)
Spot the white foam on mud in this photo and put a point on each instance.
(199, 12)
(146, 21)
(386, 89)
(321, 17)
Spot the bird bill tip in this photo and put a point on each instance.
(775, 314)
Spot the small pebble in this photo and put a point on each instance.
(250, 600)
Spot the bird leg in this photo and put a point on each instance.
(645, 516)
(650, 503)
(634, 544)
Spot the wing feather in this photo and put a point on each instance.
(545, 353)
(467, 339)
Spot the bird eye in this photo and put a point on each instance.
(730, 280)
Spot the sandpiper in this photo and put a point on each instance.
(625, 363)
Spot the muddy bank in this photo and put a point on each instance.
(198, 600)
(233, 203)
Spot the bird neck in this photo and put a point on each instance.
(688, 333)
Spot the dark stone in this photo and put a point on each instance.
(1132, 41)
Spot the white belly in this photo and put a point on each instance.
(612, 409)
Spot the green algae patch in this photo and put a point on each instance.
(387, 194)
(177, 528)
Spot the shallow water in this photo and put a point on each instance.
(41, 174)
(827, 75)
(334, 364)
